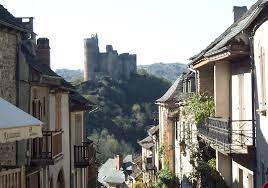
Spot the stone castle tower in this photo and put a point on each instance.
(117, 66)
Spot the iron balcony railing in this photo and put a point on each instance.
(84, 155)
(48, 149)
(230, 136)
(186, 95)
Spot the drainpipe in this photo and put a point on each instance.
(195, 78)
(252, 64)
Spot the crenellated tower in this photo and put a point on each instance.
(110, 63)
(91, 50)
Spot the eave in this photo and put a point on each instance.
(226, 53)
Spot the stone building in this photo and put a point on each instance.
(177, 131)
(117, 66)
(48, 158)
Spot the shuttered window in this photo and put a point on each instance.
(58, 112)
(262, 74)
(37, 109)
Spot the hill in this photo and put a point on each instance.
(123, 113)
(169, 71)
(74, 76)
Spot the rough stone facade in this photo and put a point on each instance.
(8, 55)
(118, 66)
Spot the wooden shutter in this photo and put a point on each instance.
(58, 112)
(262, 74)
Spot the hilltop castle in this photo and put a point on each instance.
(118, 66)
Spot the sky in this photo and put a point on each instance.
(156, 30)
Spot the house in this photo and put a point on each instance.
(259, 50)
(61, 156)
(177, 132)
(82, 149)
(114, 172)
(148, 158)
(17, 126)
(226, 71)
(47, 158)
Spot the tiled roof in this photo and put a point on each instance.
(236, 28)
(7, 19)
(153, 130)
(174, 90)
(173, 93)
(42, 68)
(147, 142)
(109, 174)
(45, 70)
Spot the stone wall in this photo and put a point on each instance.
(8, 53)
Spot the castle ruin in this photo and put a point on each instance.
(117, 66)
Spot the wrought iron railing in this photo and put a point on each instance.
(11, 178)
(83, 155)
(47, 149)
(232, 136)
(186, 95)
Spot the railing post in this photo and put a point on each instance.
(51, 146)
(23, 177)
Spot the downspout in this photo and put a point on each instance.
(252, 64)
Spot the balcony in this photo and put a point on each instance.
(48, 149)
(149, 165)
(84, 155)
(227, 136)
(11, 178)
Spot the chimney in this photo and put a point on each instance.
(43, 51)
(118, 161)
(239, 12)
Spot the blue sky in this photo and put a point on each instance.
(156, 30)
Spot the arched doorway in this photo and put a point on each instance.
(60, 180)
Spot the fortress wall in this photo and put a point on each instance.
(110, 63)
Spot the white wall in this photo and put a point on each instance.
(261, 41)
(246, 173)
(77, 137)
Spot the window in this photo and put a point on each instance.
(37, 109)
(176, 130)
(44, 106)
(189, 86)
(262, 77)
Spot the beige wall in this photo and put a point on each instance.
(206, 80)
(166, 134)
(224, 167)
(222, 88)
(77, 137)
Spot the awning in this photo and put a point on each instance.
(16, 124)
